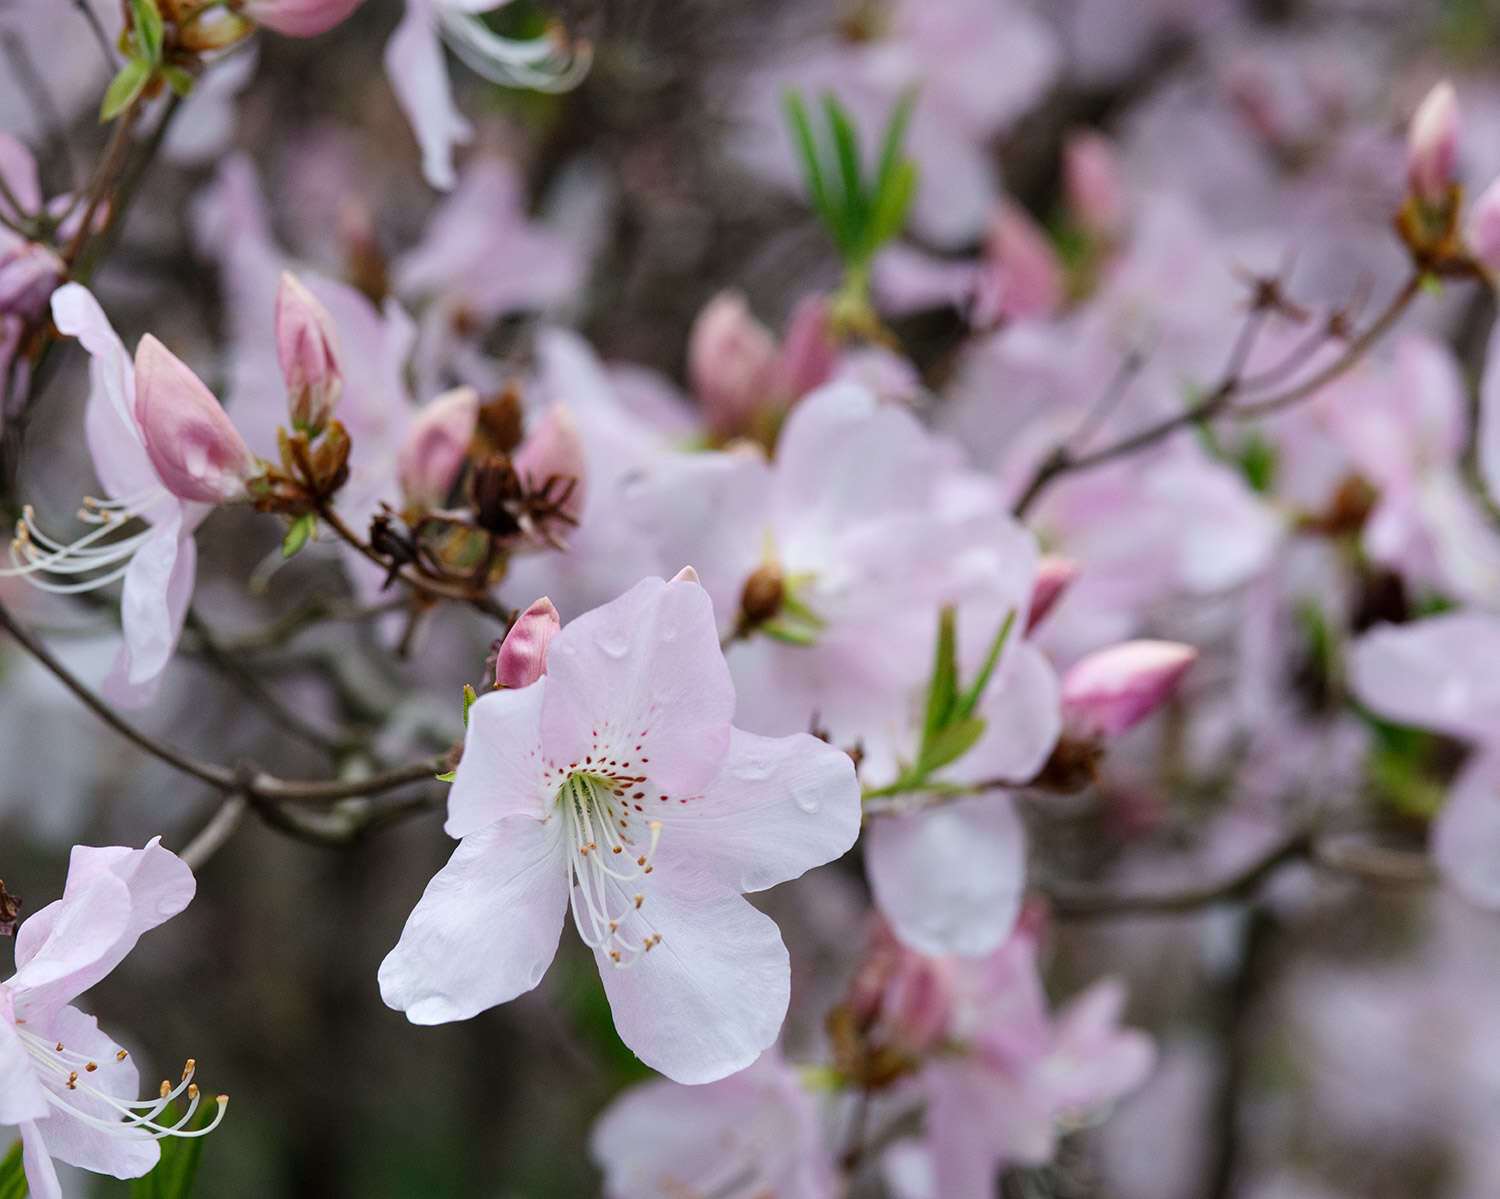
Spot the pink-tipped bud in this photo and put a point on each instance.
(1054, 575)
(521, 658)
(808, 350)
(307, 345)
(551, 462)
(731, 363)
(1482, 234)
(901, 998)
(1020, 276)
(1114, 689)
(1091, 183)
(436, 444)
(299, 18)
(1432, 145)
(194, 447)
(29, 274)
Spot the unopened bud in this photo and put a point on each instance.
(902, 999)
(1020, 276)
(731, 363)
(521, 658)
(553, 467)
(435, 446)
(307, 345)
(29, 274)
(1432, 145)
(1091, 182)
(1116, 688)
(1054, 575)
(809, 352)
(1482, 234)
(299, 18)
(761, 598)
(195, 448)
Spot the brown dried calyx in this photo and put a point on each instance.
(762, 597)
(10, 911)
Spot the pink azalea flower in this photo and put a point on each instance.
(70, 1089)
(165, 453)
(1015, 1072)
(615, 784)
(753, 1133)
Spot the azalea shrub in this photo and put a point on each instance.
(848, 598)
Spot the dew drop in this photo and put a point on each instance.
(613, 643)
(752, 769)
(806, 796)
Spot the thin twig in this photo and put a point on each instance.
(213, 835)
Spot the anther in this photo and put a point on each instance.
(121, 1056)
(91, 1067)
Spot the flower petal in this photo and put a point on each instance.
(21, 1094)
(486, 928)
(1466, 833)
(950, 878)
(153, 604)
(1442, 673)
(41, 1175)
(419, 75)
(501, 773)
(642, 675)
(1023, 716)
(710, 996)
(781, 806)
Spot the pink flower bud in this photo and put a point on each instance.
(1432, 144)
(435, 447)
(29, 274)
(307, 345)
(1053, 576)
(1020, 276)
(731, 362)
(522, 657)
(1483, 232)
(299, 18)
(552, 459)
(808, 351)
(1091, 182)
(1113, 689)
(192, 444)
(903, 999)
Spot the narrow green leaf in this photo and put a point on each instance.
(178, 80)
(895, 134)
(891, 206)
(846, 148)
(296, 536)
(469, 698)
(949, 744)
(969, 700)
(447, 776)
(146, 18)
(12, 1176)
(790, 634)
(124, 88)
(943, 692)
(812, 168)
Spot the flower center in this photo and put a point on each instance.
(609, 845)
(94, 560)
(66, 1076)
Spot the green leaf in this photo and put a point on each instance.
(790, 634)
(447, 776)
(12, 1176)
(812, 169)
(943, 692)
(177, 79)
(846, 148)
(895, 134)
(891, 206)
(124, 88)
(174, 1175)
(296, 536)
(949, 744)
(146, 18)
(469, 698)
(969, 700)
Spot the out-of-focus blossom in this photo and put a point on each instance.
(1054, 574)
(70, 1089)
(522, 657)
(753, 1133)
(730, 359)
(307, 346)
(551, 461)
(615, 783)
(435, 447)
(1092, 186)
(299, 18)
(1482, 232)
(418, 73)
(1432, 145)
(1114, 689)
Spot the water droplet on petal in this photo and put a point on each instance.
(612, 642)
(751, 769)
(807, 796)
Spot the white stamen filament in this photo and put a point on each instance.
(70, 1071)
(600, 851)
(35, 555)
(545, 64)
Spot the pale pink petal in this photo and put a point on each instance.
(1488, 437)
(907, 280)
(644, 676)
(18, 170)
(502, 770)
(1466, 833)
(1093, 1061)
(153, 604)
(41, 1175)
(950, 878)
(486, 928)
(1022, 713)
(419, 75)
(1442, 673)
(780, 806)
(710, 996)
(969, 1109)
(21, 1094)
